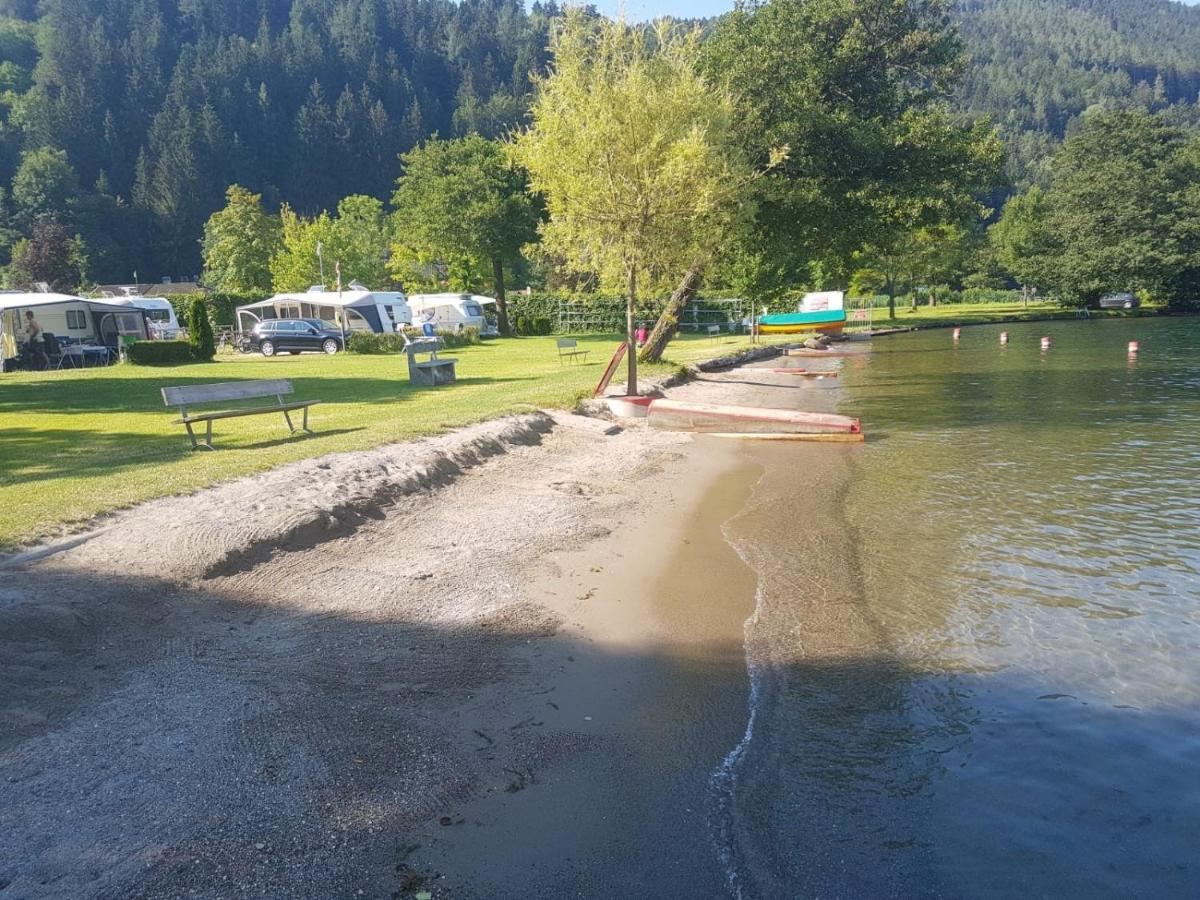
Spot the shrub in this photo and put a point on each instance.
(368, 343)
(463, 338)
(375, 344)
(160, 353)
(200, 332)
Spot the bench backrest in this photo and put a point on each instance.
(188, 395)
(567, 343)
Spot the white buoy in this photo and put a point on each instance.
(1004, 337)
(957, 333)
(1045, 343)
(1133, 348)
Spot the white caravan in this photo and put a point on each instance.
(453, 312)
(355, 309)
(160, 314)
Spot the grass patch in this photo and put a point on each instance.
(79, 442)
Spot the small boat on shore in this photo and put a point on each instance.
(805, 373)
(680, 415)
(829, 321)
(815, 354)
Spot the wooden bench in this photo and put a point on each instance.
(191, 395)
(568, 348)
(432, 371)
(713, 331)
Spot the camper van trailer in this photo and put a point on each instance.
(355, 309)
(453, 312)
(160, 314)
(71, 322)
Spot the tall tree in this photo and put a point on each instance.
(51, 254)
(356, 240)
(853, 88)
(1122, 210)
(629, 146)
(1021, 238)
(464, 200)
(44, 185)
(239, 242)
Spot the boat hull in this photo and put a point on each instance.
(677, 415)
(830, 321)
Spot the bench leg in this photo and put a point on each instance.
(305, 425)
(208, 438)
(191, 434)
(288, 419)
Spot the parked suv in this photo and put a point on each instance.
(273, 336)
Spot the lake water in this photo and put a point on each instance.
(976, 655)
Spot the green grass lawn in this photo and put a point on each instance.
(75, 443)
(949, 314)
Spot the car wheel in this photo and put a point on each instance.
(267, 348)
(330, 346)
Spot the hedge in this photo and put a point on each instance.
(376, 344)
(159, 353)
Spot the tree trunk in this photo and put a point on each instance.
(631, 386)
(891, 292)
(501, 301)
(664, 328)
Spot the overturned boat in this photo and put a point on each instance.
(681, 415)
(820, 311)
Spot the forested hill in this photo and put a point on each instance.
(1037, 64)
(133, 116)
(163, 103)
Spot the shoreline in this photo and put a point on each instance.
(356, 679)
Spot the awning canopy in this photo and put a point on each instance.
(34, 301)
(365, 310)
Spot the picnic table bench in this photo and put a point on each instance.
(568, 348)
(191, 395)
(432, 371)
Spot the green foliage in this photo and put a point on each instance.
(200, 332)
(1038, 65)
(874, 156)
(369, 343)
(462, 203)
(1122, 211)
(221, 306)
(356, 239)
(239, 242)
(1021, 238)
(44, 184)
(632, 149)
(160, 353)
(51, 254)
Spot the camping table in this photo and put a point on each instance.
(81, 353)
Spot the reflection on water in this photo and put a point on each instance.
(976, 650)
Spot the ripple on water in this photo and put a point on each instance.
(979, 644)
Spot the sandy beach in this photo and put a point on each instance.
(502, 662)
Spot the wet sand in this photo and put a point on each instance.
(652, 678)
